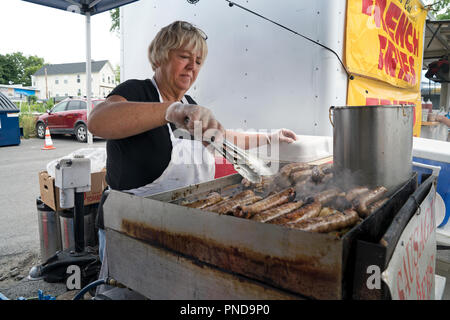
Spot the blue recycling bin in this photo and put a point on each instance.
(436, 153)
(9, 122)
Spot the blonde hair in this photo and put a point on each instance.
(179, 34)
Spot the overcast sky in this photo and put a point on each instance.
(55, 35)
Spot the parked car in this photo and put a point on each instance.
(66, 117)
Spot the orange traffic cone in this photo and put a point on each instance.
(48, 144)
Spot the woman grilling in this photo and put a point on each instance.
(139, 119)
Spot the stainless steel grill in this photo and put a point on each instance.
(312, 265)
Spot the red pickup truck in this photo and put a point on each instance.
(66, 117)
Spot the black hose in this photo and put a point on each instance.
(89, 287)
(107, 281)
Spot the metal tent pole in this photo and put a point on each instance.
(78, 222)
(88, 73)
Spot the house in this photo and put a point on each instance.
(69, 79)
(18, 92)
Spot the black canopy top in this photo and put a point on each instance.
(83, 6)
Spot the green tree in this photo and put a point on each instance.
(115, 23)
(440, 8)
(33, 64)
(32, 99)
(115, 27)
(15, 68)
(8, 70)
(117, 74)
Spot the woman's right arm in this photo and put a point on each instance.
(118, 118)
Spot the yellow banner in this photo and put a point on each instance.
(384, 40)
(364, 92)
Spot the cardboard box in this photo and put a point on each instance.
(50, 193)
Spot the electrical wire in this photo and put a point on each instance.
(231, 4)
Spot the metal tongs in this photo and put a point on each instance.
(247, 165)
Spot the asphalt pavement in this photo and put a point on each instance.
(19, 230)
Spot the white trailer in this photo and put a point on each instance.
(257, 75)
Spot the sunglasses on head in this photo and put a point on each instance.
(189, 27)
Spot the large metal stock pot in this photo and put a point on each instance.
(372, 145)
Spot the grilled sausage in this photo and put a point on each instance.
(366, 199)
(241, 195)
(300, 167)
(282, 178)
(224, 200)
(282, 181)
(286, 170)
(329, 223)
(230, 206)
(212, 198)
(326, 168)
(326, 196)
(300, 175)
(341, 203)
(317, 174)
(302, 185)
(265, 204)
(327, 211)
(265, 182)
(246, 183)
(326, 178)
(273, 213)
(293, 167)
(308, 211)
(355, 192)
(376, 205)
(307, 190)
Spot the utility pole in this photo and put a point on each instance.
(90, 138)
(46, 86)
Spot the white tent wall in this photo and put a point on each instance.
(257, 75)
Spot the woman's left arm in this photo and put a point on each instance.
(245, 140)
(444, 120)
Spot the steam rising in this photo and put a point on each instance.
(344, 181)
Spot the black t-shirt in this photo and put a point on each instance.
(138, 160)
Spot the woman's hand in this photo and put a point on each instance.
(282, 135)
(196, 120)
(443, 119)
